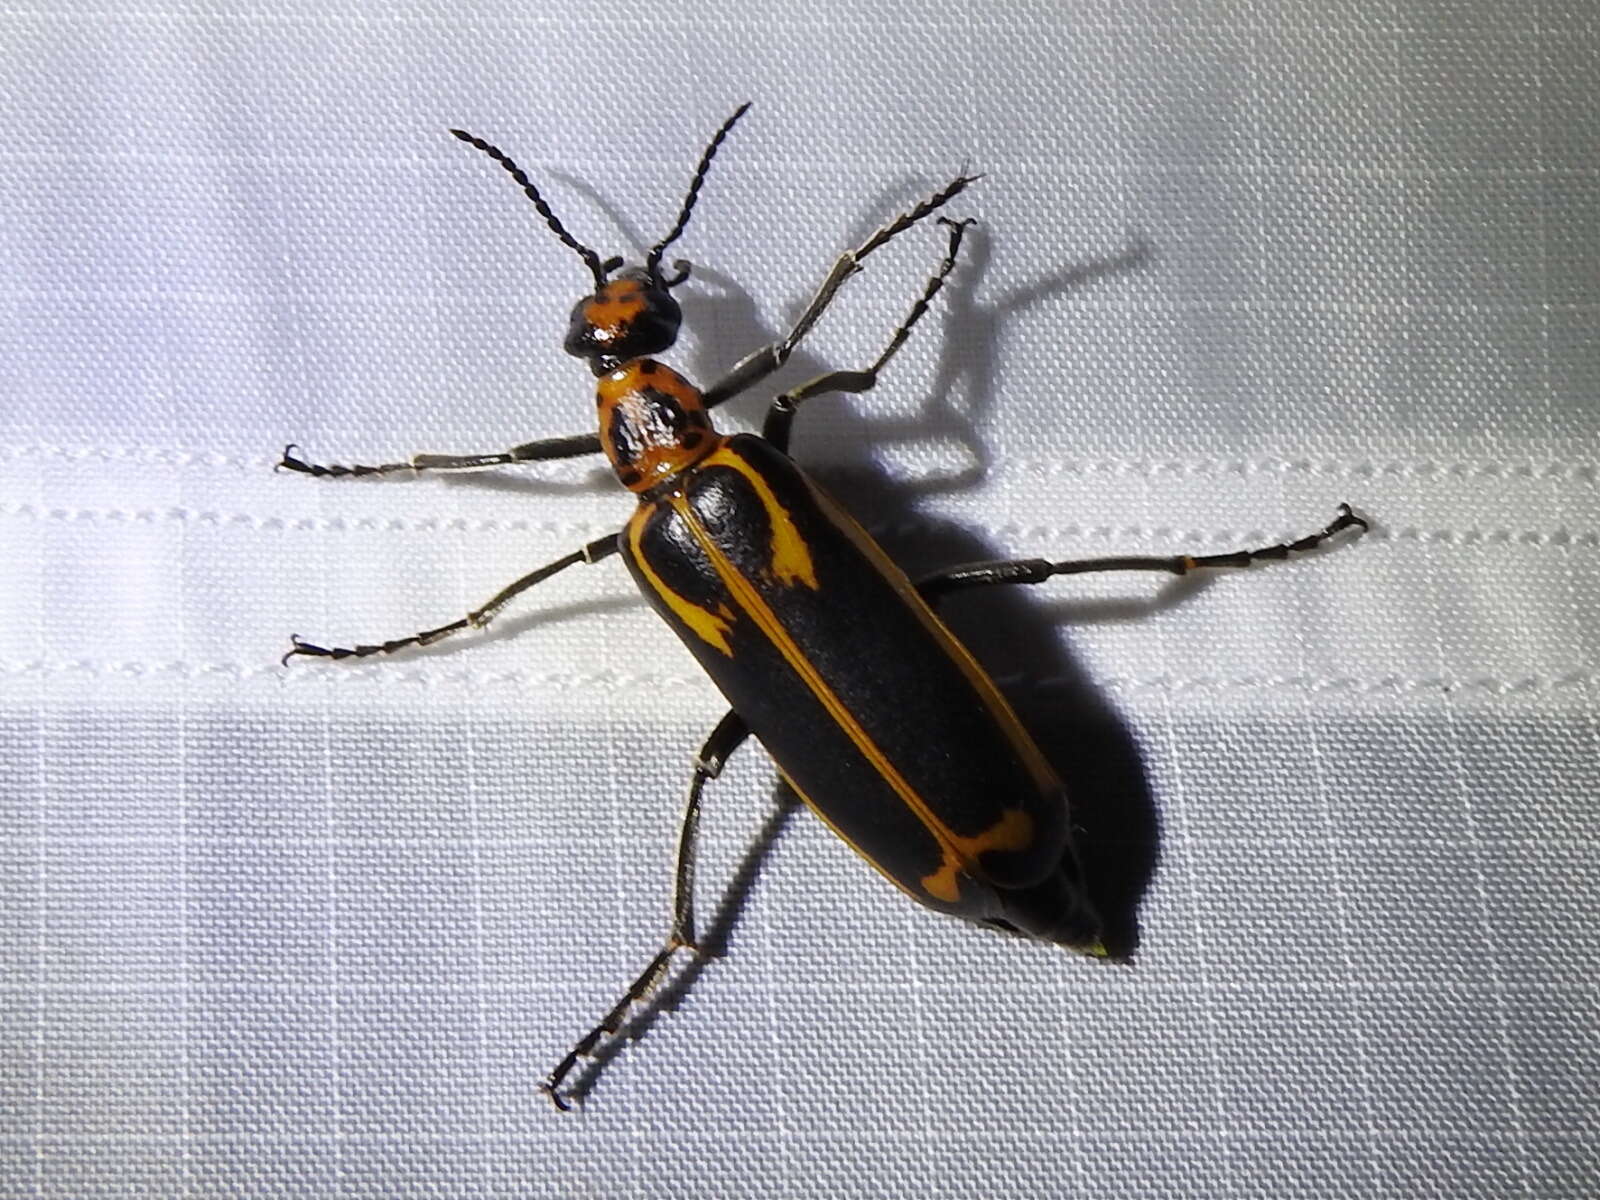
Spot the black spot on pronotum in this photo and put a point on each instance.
(665, 413)
(624, 446)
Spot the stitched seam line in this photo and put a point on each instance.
(1532, 684)
(1556, 471)
(1560, 536)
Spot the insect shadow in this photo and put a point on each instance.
(1014, 635)
(1015, 632)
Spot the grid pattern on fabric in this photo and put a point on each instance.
(319, 932)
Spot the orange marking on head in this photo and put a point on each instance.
(615, 306)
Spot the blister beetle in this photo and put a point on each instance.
(875, 714)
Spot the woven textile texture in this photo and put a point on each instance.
(319, 931)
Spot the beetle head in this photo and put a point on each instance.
(630, 316)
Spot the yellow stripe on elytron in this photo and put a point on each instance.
(791, 560)
(846, 839)
(1044, 775)
(1013, 831)
(712, 627)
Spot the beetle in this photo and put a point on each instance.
(876, 716)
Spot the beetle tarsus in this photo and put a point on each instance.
(554, 1094)
(298, 647)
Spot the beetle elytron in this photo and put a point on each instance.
(876, 716)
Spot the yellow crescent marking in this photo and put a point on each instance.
(1011, 832)
(791, 560)
(712, 627)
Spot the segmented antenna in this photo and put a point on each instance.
(652, 262)
(590, 258)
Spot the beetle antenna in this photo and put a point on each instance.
(590, 258)
(652, 263)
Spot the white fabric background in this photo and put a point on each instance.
(318, 932)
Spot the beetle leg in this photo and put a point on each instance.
(758, 365)
(541, 451)
(780, 416)
(727, 737)
(476, 619)
(1037, 570)
(729, 734)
